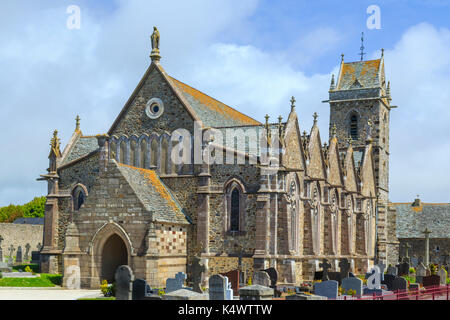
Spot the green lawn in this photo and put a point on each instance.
(45, 280)
(33, 266)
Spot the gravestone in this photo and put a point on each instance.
(124, 283)
(184, 294)
(273, 275)
(19, 255)
(392, 271)
(327, 289)
(389, 280)
(399, 283)
(218, 285)
(403, 268)
(4, 267)
(261, 278)
(140, 289)
(303, 296)
(443, 276)
(35, 256)
(234, 279)
(174, 284)
(374, 279)
(255, 292)
(27, 252)
(414, 262)
(353, 284)
(318, 275)
(382, 267)
(325, 265)
(431, 281)
(344, 268)
(421, 272)
(228, 291)
(335, 276)
(198, 269)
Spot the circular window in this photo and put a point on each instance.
(154, 108)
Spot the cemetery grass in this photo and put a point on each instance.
(45, 280)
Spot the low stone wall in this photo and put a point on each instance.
(19, 235)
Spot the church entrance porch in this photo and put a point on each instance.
(114, 254)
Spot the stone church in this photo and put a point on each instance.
(155, 191)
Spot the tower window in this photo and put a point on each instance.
(354, 127)
(234, 221)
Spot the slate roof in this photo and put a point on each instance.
(82, 146)
(360, 74)
(154, 194)
(212, 112)
(412, 220)
(36, 221)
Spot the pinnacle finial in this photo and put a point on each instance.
(382, 52)
(292, 103)
(267, 119)
(342, 57)
(279, 119)
(333, 130)
(362, 47)
(349, 140)
(77, 124)
(315, 116)
(154, 55)
(332, 85)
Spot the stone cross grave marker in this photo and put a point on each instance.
(261, 278)
(382, 267)
(443, 276)
(353, 284)
(229, 291)
(431, 281)
(174, 284)
(218, 285)
(374, 280)
(19, 255)
(325, 266)
(124, 283)
(327, 289)
(27, 252)
(198, 268)
(11, 253)
(344, 267)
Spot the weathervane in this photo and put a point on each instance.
(362, 46)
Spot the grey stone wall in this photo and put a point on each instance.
(19, 235)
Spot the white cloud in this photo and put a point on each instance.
(52, 74)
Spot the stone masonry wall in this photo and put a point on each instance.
(19, 235)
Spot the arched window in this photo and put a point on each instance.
(123, 150)
(235, 209)
(143, 160)
(79, 197)
(164, 168)
(112, 150)
(354, 127)
(133, 151)
(154, 153)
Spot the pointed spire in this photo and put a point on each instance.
(55, 144)
(332, 85)
(388, 90)
(382, 52)
(77, 123)
(292, 103)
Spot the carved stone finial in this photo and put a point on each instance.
(382, 52)
(55, 144)
(155, 45)
(77, 123)
(267, 120)
(315, 116)
(349, 140)
(279, 120)
(332, 85)
(333, 130)
(342, 57)
(292, 103)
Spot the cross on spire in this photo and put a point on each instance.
(77, 123)
(315, 117)
(362, 46)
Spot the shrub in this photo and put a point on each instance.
(412, 270)
(1, 275)
(351, 292)
(28, 269)
(433, 269)
(108, 290)
(249, 281)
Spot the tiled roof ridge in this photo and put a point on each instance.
(156, 182)
(220, 102)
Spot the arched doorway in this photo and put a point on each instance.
(114, 254)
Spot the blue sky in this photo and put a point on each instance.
(253, 55)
